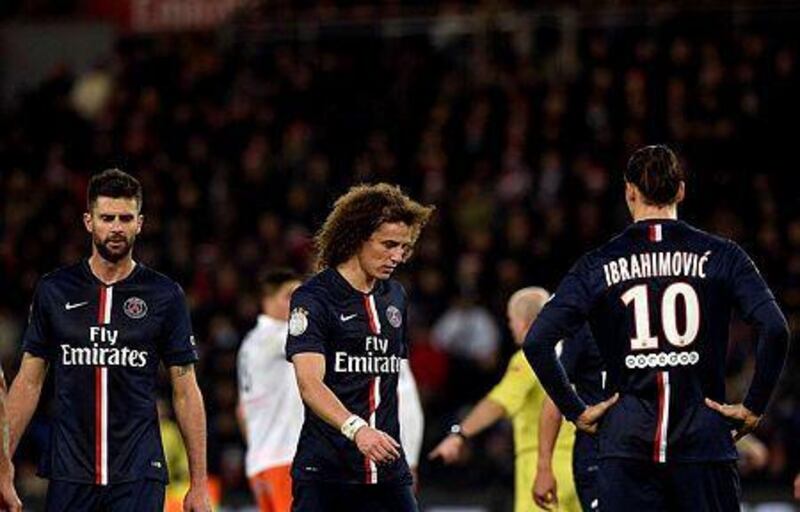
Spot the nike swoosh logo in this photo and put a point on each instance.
(69, 306)
(348, 317)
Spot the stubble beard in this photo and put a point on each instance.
(110, 255)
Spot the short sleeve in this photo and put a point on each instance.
(308, 324)
(178, 344)
(37, 339)
(748, 287)
(513, 388)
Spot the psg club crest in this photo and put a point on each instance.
(298, 321)
(394, 316)
(135, 308)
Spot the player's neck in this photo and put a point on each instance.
(354, 274)
(109, 272)
(274, 312)
(648, 212)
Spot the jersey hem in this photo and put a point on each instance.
(263, 467)
(164, 481)
(42, 354)
(670, 458)
(401, 480)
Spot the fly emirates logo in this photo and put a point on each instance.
(103, 351)
(374, 361)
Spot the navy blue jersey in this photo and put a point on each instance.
(659, 298)
(585, 370)
(363, 338)
(104, 344)
(584, 366)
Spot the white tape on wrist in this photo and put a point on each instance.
(351, 426)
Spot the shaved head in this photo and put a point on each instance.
(523, 308)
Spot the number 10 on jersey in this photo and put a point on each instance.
(643, 336)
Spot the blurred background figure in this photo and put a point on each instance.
(520, 397)
(178, 462)
(411, 417)
(270, 411)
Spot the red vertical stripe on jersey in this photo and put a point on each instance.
(657, 441)
(100, 396)
(98, 426)
(373, 327)
(369, 466)
(101, 307)
(655, 232)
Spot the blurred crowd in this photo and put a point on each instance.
(518, 138)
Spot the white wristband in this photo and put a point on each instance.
(352, 425)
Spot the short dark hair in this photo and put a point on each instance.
(358, 213)
(656, 172)
(272, 281)
(113, 183)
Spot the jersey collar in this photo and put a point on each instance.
(345, 286)
(88, 270)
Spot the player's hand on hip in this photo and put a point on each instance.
(588, 420)
(377, 445)
(545, 489)
(197, 500)
(745, 420)
(449, 450)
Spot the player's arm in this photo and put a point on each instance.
(486, 413)
(187, 400)
(8, 495)
(560, 318)
(24, 396)
(545, 487)
(26, 389)
(309, 368)
(241, 421)
(759, 309)
(504, 400)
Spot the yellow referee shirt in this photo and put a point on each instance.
(521, 395)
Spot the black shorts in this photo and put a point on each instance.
(137, 496)
(335, 497)
(584, 472)
(627, 485)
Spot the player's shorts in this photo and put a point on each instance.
(584, 471)
(272, 489)
(336, 497)
(137, 496)
(627, 485)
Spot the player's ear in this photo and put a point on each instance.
(87, 221)
(681, 192)
(139, 223)
(630, 192)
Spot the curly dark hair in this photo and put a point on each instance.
(358, 213)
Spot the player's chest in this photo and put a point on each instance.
(368, 325)
(106, 316)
